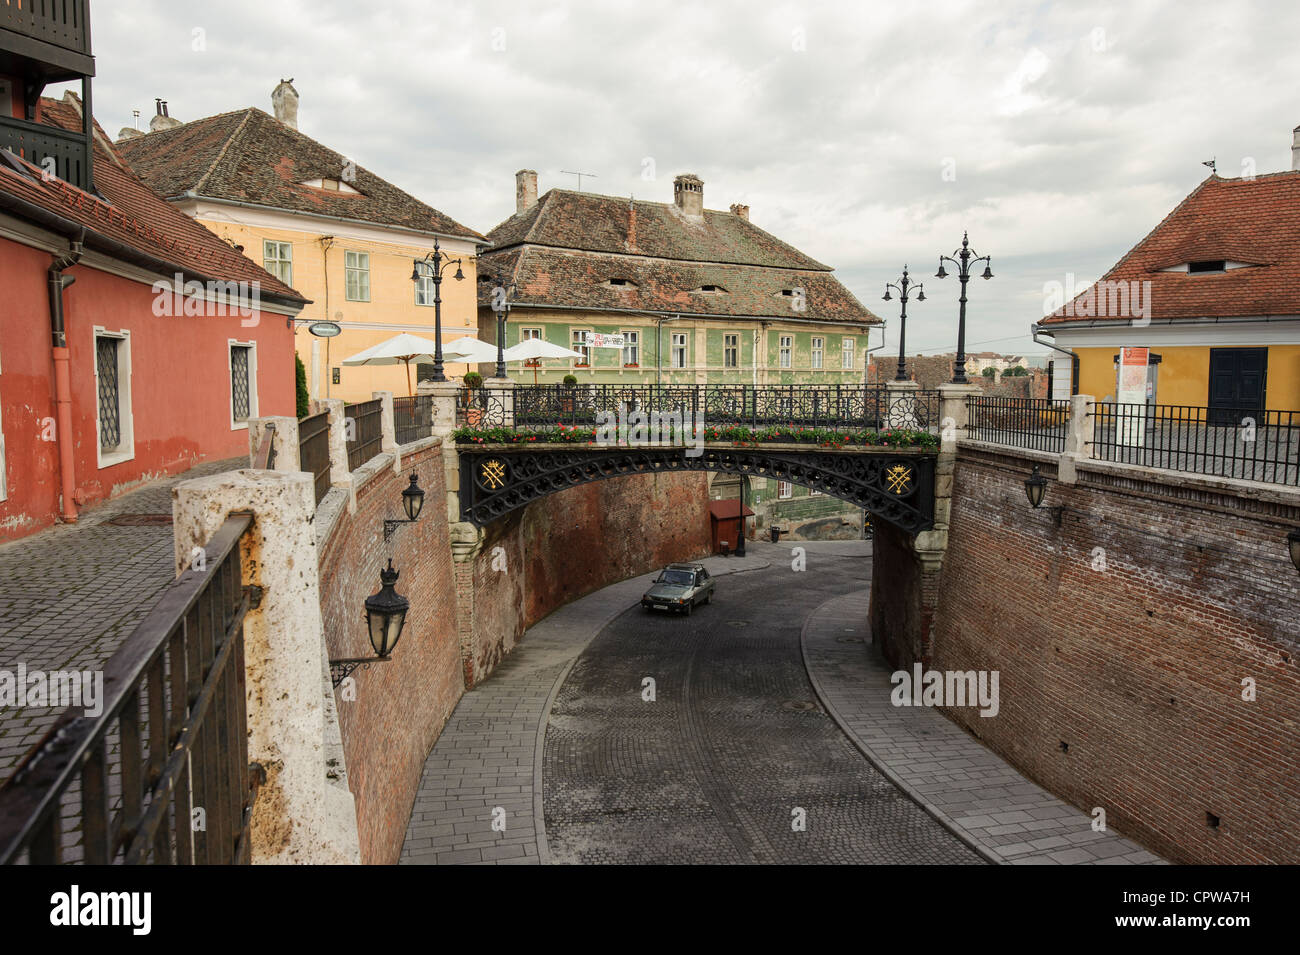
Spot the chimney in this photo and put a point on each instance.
(525, 190)
(1295, 148)
(738, 210)
(688, 194)
(128, 132)
(162, 119)
(284, 101)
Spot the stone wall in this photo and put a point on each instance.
(1123, 638)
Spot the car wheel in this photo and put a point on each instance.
(708, 598)
(689, 607)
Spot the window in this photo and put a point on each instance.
(818, 347)
(356, 274)
(679, 349)
(277, 258)
(113, 391)
(1218, 265)
(580, 345)
(631, 347)
(731, 351)
(784, 490)
(243, 384)
(424, 285)
(787, 344)
(622, 283)
(846, 353)
(525, 334)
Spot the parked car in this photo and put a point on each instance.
(679, 587)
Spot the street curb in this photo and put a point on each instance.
(939, 816)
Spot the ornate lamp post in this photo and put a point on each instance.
(435, 263)
(501, 292)
(901, 286)
(963, 258)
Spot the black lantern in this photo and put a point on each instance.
(412, 504)
(386, 613)
(1293, 541)
(1035, 488)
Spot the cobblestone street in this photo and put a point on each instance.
(71, 594)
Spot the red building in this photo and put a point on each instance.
(133, 341)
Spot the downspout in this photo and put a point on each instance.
(866, 371)
(1074, 359)
(62, 374)
(659, 344)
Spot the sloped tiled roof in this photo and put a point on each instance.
(249, 156)
(165, 239)
(564, 249)
(1254, 221)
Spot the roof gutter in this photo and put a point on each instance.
(704, 315)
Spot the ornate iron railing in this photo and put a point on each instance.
(1034, 423)
(839, 407)
(412, 418)
(314, 451)
(1224, 442)
(161, 775)
(365, 434)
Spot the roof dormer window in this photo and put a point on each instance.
(1207, 265)
(621, 283)
(331, 185)
(710, 288)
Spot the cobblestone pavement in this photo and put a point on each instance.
(733, 761)
(970, 789)
(71, 594)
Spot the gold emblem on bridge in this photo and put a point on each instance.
(493, 474)
(899, 479)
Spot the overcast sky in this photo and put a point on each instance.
(868, 135)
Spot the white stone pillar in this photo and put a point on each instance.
(388, 427)
(1080, 431)
(340, 473)
(284, 441)
(444, 404)
(954, 416)
(305, 813)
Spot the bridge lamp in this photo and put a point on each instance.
(1293, 542)
(385, 618)
(412, 504)
(1035, 488)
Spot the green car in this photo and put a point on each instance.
(679, 587)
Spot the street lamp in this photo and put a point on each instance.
(385, 618)
(902, 286)
(1036, 490)
(412, 504)
(963, 258)
(435, 263)
(501, 292)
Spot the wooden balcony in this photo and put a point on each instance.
(51, 34)
(36, 142)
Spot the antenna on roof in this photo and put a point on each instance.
(1213, 169)
(569, 172)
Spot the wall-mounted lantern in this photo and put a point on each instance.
(385, 618)
(412, 504)
(1293, 542)
(1036, 490)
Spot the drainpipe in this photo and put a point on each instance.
(62, 374)
(1074, 359)
(866, 370)
(659, 344)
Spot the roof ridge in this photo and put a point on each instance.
(221, 153)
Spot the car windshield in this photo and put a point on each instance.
(676, 577)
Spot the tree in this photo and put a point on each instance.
(989, 372)
(1019, 371)
(304, 398)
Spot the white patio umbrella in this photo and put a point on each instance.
(404, 348)
(469, 351)
(534, 349)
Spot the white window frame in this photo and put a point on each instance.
(848, 348)
(231, 345)
(283, 256)
(784, 490)
(731, 350)
(631, 346)
(529, 332)
(581, 346)
(424, 287)
(679, 347)
(785, 349)
(348, 271)
(818, 351)
(126, 420)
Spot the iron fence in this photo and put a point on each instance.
(1250, 445)
(412, 418)
(365, 434)
(314, 450)
(1034, 423)
(838, 407)
(161, 775)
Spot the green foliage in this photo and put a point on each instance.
(304, 397)
(989, 372)
(570, 380)
(1019, 371)
(473, 380)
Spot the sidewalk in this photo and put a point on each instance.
(70, 595)
(971, 790)
(489, 755)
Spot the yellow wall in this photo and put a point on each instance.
(392, 300)
(1184, 377)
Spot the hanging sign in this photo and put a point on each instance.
(1131, 395)
(601, 340)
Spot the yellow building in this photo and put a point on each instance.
(1213, 292)
(331, 229)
